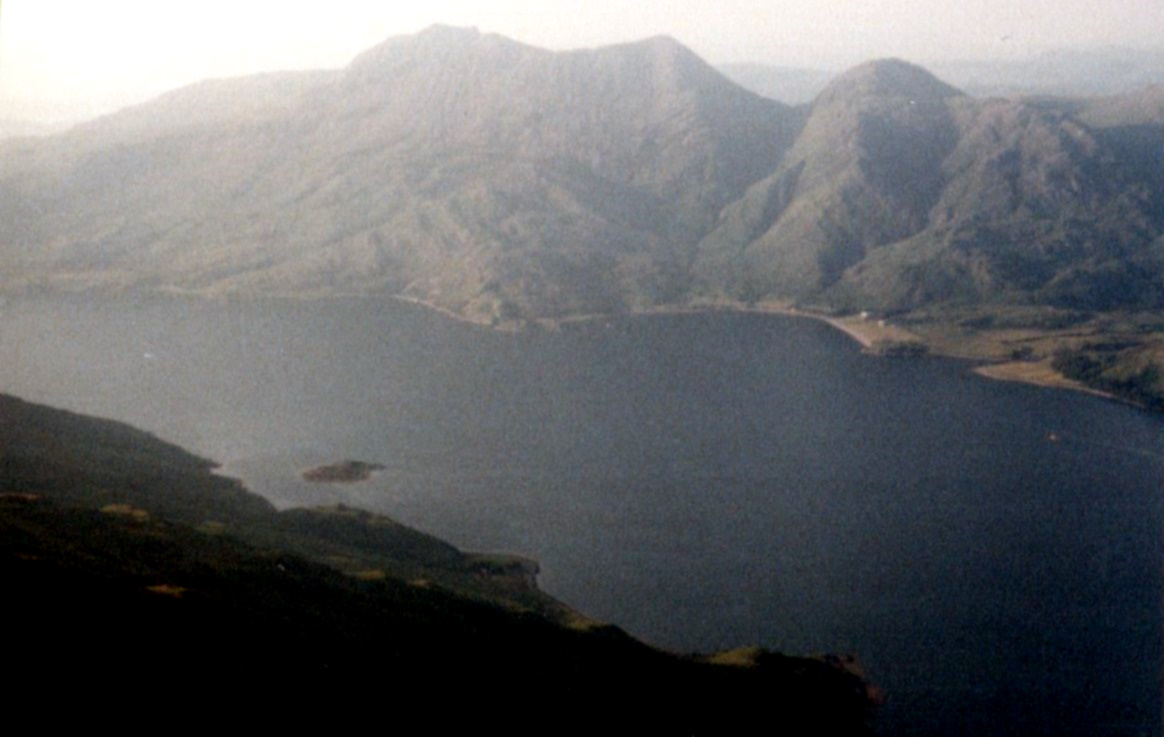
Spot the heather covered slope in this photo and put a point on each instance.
(134, 575)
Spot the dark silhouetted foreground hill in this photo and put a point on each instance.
(133, 576)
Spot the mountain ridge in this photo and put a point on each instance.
(504, 183)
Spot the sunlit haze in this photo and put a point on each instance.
(70, 59)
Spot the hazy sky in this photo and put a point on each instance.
(74, 58)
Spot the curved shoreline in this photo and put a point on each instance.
(866, 332)
(1040, 373)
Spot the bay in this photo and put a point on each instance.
(991, 552)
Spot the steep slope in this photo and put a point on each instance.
(901, 192)
(116, 602)
(459, 168)
(863, 172)
(501, 181)
(1034, 208)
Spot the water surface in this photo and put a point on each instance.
(990, 551)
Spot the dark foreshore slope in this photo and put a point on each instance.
(133, 573)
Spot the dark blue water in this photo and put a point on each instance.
(990, 551)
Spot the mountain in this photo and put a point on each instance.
(463, 169)
(132, 572)
(502, 182)
(863, 172)
(901, 192)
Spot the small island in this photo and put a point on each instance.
(344, 472)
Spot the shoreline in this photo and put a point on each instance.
(1040, 373)
(866, 332)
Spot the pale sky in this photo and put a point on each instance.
(69, 59)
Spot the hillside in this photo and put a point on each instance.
(501, 181)
(901, 193)
(505, 183)
(132, 572)
(462, 169)
(863, 172)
